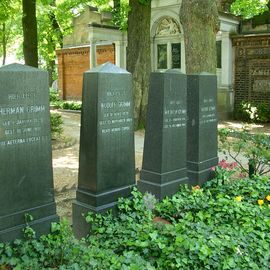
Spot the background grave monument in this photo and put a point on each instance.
(164, 157)
(202, 127)
(26, 177)
(107, 159)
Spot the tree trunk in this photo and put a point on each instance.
(55, 25)
(4, 43)
(116, 4)
(30, 41)
(51, 71)
(139, 57)
(56, 31)
(224, 5)
(199, 20)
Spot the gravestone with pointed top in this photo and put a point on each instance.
(26, 177)
(164, 157)
(106, 160)
(202, 127)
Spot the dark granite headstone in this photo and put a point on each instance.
(202, 127)
(164, 156)
(26, 178)
(106, 161)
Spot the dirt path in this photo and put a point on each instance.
(65, 165)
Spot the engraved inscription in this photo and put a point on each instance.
(259, 76)
(21, 124)
(25, 95)
(208, 111)
(115, 113)
(259, 71)
(174, 114)
(261, 85)
(258, 51)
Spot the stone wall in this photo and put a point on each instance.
(252, 68)
(73, 62)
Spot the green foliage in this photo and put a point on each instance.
(64, 104)
(120, 14)
(71, 105)
(60, 250)
(145, 2)
(209, 230)
(224, 171)
(249, 8)
(219, 226)
(54, 97)
(10, 17)
(255, 147)
(54, 21)
(253, 112)
(56, 125)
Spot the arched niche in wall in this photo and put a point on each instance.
(167, 47)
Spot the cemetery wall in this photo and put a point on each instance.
(73, 62)
(252, 68)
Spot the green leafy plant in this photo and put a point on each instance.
(54, 97)
(250, 8)
(217, 226)
(255, 147)
(71, 105)
(225, 170)
(64, 104)
(254, 112)
(56, 124)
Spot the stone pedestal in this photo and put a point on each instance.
(202, 127)
(164, 157)
(107, 159)
(26, 177)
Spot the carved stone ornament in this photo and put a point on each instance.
(167, 26)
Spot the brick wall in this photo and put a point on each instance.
(252, 68)
(73, 62)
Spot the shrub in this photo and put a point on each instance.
(71, 105)
(61, 104)
(254, 112)
(255, 147)
(56, 125)
(54, 98)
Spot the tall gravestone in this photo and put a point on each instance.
(26, 177)
(164, 156)
(106, 161)
(202, 127)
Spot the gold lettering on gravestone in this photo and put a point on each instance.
(21, 124)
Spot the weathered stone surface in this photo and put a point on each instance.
(202, 127)
(164, 158)
(107, 160)
(26, 177)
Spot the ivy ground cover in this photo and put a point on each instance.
(222, 225)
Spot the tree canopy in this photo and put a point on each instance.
(54, 20)
(249, 8)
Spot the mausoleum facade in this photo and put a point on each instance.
(168, 50)
(95, 41)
